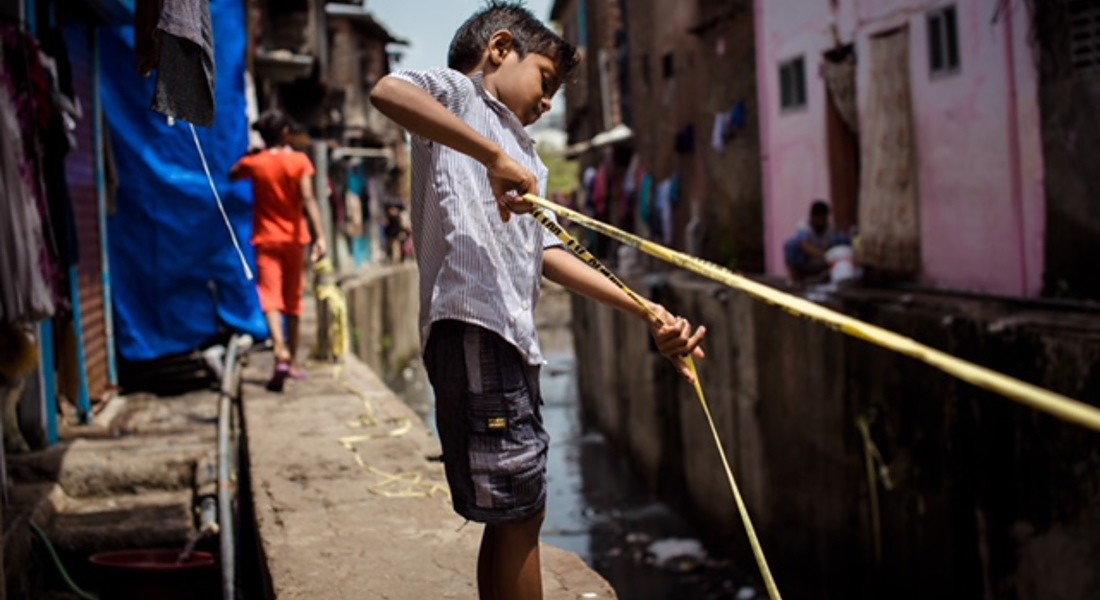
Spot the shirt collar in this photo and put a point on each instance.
(499, 107)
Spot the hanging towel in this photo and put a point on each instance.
(718, 134)
(645, 202)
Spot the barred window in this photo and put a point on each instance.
(1084, 36)
(943, 41)
(792, 84)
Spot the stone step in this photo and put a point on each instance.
(106, 467)
(152, 519)
(80, 527)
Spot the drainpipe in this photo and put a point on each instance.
(763, 67)
(1014, 149)
(238, 344)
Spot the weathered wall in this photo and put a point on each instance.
(681, 64)
(982, 209)
(988, 499)
(380, 303)
(1069, 96)
(711, 48)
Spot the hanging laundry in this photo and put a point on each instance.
(628, 198)
(588, 185)
(601, 191)
(718, 134)
(25, 295)
(664, 210)
(645, 200)
(739, 116)
(179, 42)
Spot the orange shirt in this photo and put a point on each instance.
(277, 175)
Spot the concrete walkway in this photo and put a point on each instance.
(369, 517)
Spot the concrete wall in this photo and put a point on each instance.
(382, 308)
(982, 208)
(1068, 99)
(987, 499)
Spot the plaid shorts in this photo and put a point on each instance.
(489, 421)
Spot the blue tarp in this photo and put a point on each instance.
(176, 278)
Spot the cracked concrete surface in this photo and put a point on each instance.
(331, 527)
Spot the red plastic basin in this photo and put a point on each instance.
(156, 574)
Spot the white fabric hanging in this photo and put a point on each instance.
(24, 293)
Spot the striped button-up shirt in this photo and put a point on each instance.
(473, 266)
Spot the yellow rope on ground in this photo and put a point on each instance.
(415, 486)
(592, 261)
(1063, 407)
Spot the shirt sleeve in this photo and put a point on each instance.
(244, 167)
(451, 88)
(305, 165)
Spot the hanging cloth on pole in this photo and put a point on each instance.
(176, 37)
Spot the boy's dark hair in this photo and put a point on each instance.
(271, 125)
(530, 35)
(819, 207)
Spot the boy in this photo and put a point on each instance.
(480, 272)
(283, 182)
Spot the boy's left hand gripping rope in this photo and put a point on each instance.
(586, 256)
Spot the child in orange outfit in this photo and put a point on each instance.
(283, 182)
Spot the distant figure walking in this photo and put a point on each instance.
(283, 182)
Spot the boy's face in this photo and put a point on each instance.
(525, 85)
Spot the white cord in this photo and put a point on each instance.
(218, 198)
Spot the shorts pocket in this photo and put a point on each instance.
(506, 450)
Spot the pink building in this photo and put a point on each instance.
(936, 154)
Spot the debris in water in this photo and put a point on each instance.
(682, 555)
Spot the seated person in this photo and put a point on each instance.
(805, 252)
(395, 233)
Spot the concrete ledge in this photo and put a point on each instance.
(325, 534)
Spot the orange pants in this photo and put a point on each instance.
(282, 277)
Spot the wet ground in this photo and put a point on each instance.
(597, 508)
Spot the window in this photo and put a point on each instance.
(668, 65)
(1084, 36)
(792, 84)
(943, 41)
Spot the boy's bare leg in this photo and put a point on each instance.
(509, 561)
(486, 589)
(291, 336)
(275, 323)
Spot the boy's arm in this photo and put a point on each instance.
(238, 172)
(675, 337)
(413, 108)
(313, 213)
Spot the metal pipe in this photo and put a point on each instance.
(237, 345)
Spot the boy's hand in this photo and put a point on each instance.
(510, 181)
(318, 252)
(675, 339)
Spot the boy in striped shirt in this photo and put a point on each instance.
(480, 275)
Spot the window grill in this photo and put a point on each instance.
(792, 84)
(1085, 36)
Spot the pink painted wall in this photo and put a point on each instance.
(979, 148)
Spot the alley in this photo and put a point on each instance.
(228, 229)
